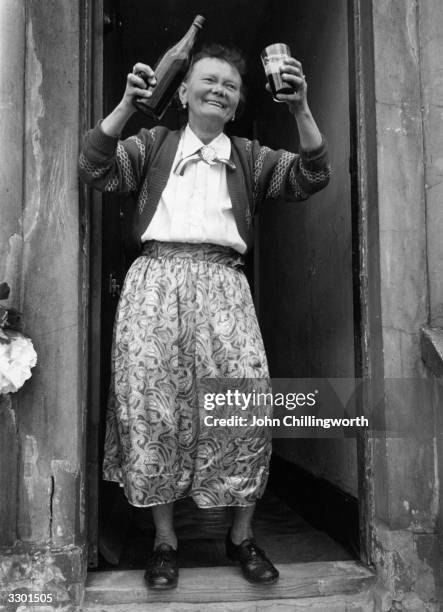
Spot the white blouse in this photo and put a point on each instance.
(196, 206)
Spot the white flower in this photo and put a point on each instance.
(16, 360)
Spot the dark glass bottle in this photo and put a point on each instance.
(169, 73)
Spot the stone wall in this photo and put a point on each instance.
(41, 455)
(431, 58)
(405, 469)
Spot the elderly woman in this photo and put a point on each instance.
(185, 312)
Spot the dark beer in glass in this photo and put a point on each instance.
(273, 57)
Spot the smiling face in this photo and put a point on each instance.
(212, 92)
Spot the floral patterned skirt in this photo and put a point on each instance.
(185, 315)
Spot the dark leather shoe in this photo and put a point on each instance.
(254, 564)
(162, 569)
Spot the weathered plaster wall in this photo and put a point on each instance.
(431, 53)
(401, 184)
(402, 240)
(405, 470)
(12, 50)
(43, 536)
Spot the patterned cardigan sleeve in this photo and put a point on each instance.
(109, 164)
(290, 176)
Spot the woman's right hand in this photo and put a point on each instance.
(136, 87)
(139, 84)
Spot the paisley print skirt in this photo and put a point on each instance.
(185, 314)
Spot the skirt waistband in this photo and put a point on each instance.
(213, 253)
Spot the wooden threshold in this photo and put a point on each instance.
(225, 584)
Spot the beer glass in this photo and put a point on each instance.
(272, 58)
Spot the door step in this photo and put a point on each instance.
(326, 586)
(346, 603)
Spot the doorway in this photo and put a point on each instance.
(303, 252)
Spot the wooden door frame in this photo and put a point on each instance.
(91, 111)
(365, 239)
(366, 281)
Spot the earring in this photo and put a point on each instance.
(184, 104)
(233, 117)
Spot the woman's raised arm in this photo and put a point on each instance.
(136, 87)
(310, 137)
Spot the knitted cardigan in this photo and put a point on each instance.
(141, 164)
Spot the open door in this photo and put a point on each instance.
(303, 251)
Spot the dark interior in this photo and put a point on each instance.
(301, 272)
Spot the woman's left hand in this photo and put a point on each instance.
(292, 73)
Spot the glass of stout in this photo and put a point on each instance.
(272, 58)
